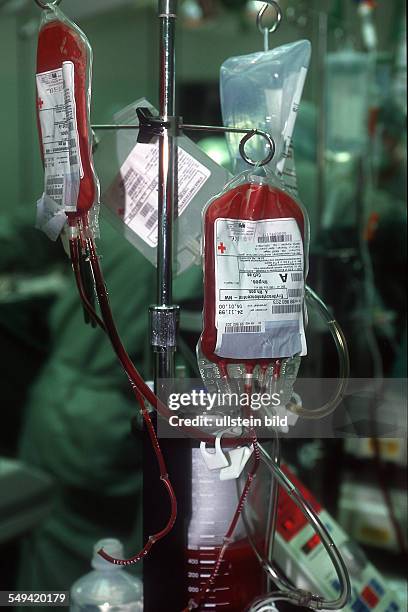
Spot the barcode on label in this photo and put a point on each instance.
(275, 238)
(132, 193)
(298, 292)
(296, 276)
(73, 158)
(152, 220)
(55, 187)
(147, 208)
(55, 191)
(286, 308)
(240, 328)
(127, 176)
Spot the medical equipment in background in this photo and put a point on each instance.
(347, 77)
(71, 190)
(300, 556)
(107, 587)
(366, 13)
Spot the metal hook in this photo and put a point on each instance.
(261, 13)
(152, 126)
(271, 145)
(45, 5)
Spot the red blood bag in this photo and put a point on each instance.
(63, 79)
(254, 270)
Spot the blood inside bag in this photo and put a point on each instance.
(252, 202)
(58, 43)
(239, 582)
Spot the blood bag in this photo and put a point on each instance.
(63, 79)
(256, 233)
(255, 262)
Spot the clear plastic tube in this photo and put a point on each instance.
(344, 361)
(267, 605)
(273, 504)
(299, 596)
(263, 557)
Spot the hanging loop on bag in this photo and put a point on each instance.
(270, 143)
(46, 5)
(278, 18)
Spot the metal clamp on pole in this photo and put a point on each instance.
(150, 126)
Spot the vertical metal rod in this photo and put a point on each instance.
(321, 164)
(165, 314)
(321, 125)
(163, 322)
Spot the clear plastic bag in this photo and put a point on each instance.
(263, 90)
(129, 178)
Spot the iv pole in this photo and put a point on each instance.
(164, 315)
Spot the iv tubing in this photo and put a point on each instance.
(134, 377)
(344, 362)
(272, 505)
(299, 596)
(74, 248)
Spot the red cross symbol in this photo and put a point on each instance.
(40, 103)
(222, 248)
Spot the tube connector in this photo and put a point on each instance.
(167, 8)
(163, 327)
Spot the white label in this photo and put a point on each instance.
(290, 123)
(60, 139)
(133, 194)
(259, 284)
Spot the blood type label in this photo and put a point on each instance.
(259, 276)
(60, 139)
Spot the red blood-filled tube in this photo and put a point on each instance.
(252, 202)
(59, 42)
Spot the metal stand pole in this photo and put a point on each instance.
(321, 125)
(164, 580)
(164, 315)
(321, 169)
